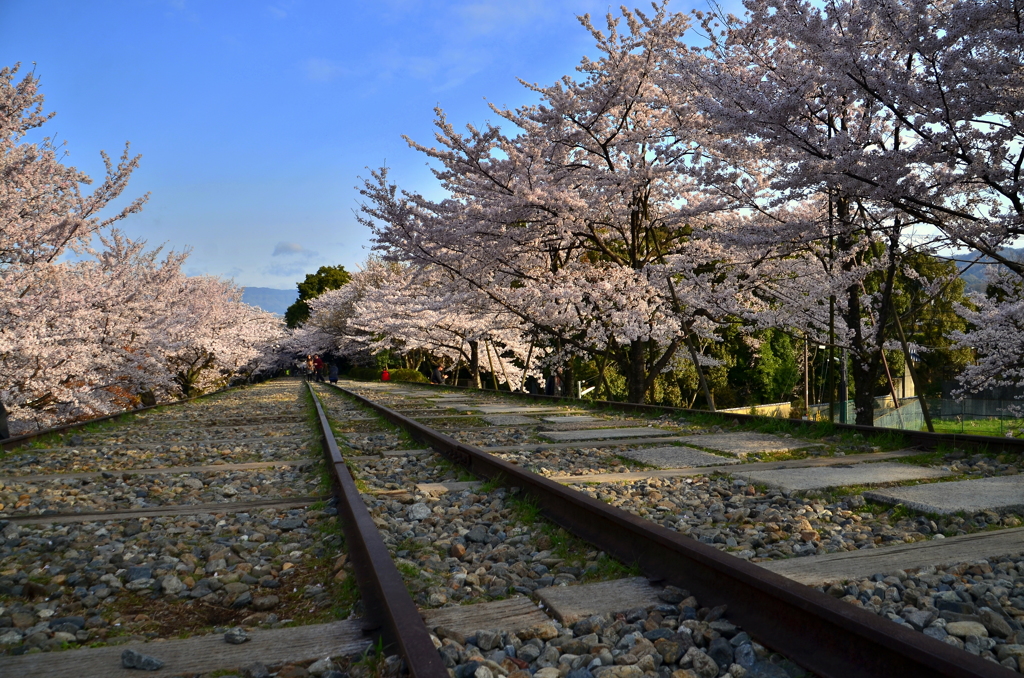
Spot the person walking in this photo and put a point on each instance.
(318, 368)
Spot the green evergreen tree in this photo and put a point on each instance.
(315, 284)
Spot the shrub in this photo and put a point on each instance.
(407, 375)
(364, 373)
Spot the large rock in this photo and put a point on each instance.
(478, 535)
(962, 629)
(671, 650)
(627, 671)
(131, 659)
(1010, 650)
(171, 585)
(720, 652)
(994, 622)
(264, 603)
(12, 637)
(321, 667)
(920, 619)
(138, 572)
(488, 640)
(236, 636)
(418, 512)
(703, 665)
(291, 524)
(140, 584)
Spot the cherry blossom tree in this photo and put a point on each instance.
(997, 324)
(790, 137)
(91, 335)
(43, 212)
(570, 224)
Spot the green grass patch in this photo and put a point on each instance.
(373, 663)
(923, 459)
(980, 427)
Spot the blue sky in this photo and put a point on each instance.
(255, 119)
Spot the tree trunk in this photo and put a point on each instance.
(865, 367)
(569, 378)
(5, 432)
(636, 372)
(474, 364)
(708, 396)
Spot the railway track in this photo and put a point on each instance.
(824, 635)
(163, 531)
(452, 545)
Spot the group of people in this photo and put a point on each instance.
(317, 369)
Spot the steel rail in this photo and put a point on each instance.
(386, 602)
(923, 439)
(824, 635)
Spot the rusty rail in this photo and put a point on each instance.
(828, 637)
(386, 603)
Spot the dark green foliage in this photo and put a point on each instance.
(929, 321)
(403, 374)
(766, 368)
(315, 284)
(363, 373)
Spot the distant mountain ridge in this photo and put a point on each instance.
(974, 276)
(269, 299)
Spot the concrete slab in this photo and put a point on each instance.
(198, 655)
(591, 443)
(571, 419)
(513, 409)
(604, 433)
(405, 453)
(742, 443)
(1002, 494)
(441, 488)
(570, 604)
(800, 479)
(700, 471)
(508, 419)
(863, 563)
(677, 457)
(509, 615)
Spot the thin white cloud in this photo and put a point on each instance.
(319, 69)
(276, 12)
(292, 249)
